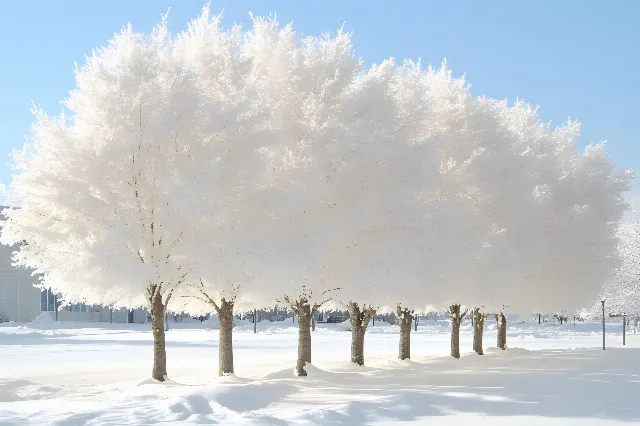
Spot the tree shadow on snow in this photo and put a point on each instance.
(33, 339)
(577, 384)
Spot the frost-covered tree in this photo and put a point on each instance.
(493, 174)
(554, 239)
(577, 248)
(223, 249)
(310, 87)
(503, 175)
(273, 225)
(622, 291)
(113, 190)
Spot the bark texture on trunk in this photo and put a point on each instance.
(478, 330)
(225, 340)
(313, 322)
(303, 312)
(501, 322)
(224, 309)
(359, 318)
(456, 320)
(158, 310)
(405, 316)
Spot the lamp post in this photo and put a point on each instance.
(603, 333)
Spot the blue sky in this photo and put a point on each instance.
(577, 59)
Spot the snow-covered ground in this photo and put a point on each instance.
(75, 374)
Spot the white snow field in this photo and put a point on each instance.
(96, 374)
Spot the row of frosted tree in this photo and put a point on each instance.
(226, 169)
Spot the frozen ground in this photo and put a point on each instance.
(76, 374)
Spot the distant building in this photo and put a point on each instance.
(19, 299)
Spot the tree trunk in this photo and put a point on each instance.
(456, 320)
(501, 321)
(313, 322)
(158, 311)
(478, 330)
(539, 319)
(303, 313)
(225, 339)
(359, 319)
(404, 319)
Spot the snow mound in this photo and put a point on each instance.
(344, 326)
(224, 404)
(380, 323)
(276, 375)
(43, 318)
(287, 373)
(167, 382)
(231, 378)
(314, 371)
(509, 352)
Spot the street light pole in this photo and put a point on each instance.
(255, 320)
(603, 329)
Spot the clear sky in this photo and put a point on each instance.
(577, 59)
